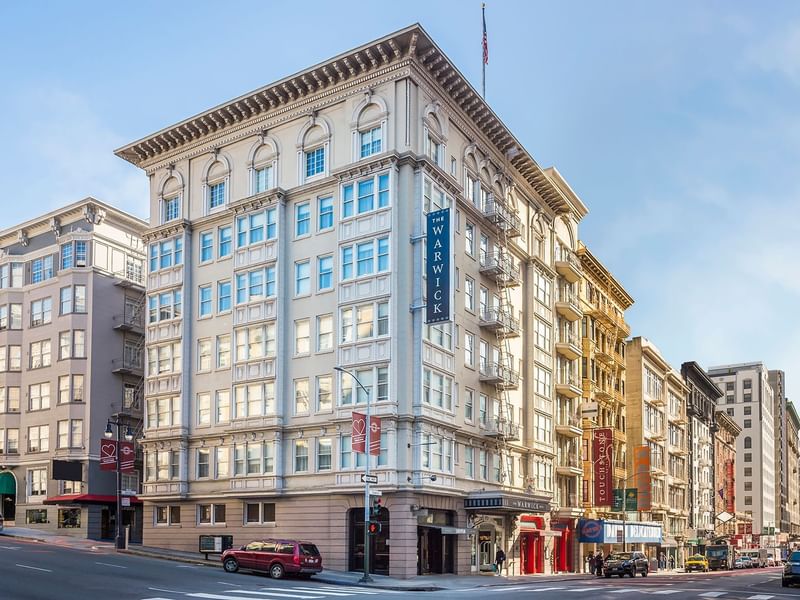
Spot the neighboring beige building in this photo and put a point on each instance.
(603, 302)
(656, 408)
(289, 225)
(71, 340)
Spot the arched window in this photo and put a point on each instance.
(263, 165)
(369, 127)
(435, 135)
(216, 182)
(170, 196)
(314, 149)
(748, 442)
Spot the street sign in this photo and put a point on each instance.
(125, 501)
(371, 479)
(589, 410)
(375, 493)
(619, 502)
(631, 499)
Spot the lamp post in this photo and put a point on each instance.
(365, 578)
(119, 542)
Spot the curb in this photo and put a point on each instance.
(180, 559)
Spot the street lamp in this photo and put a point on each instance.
(108, 434)
(365, 578)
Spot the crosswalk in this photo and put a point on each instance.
(621, 591)
(273, 593)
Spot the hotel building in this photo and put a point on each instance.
(71, 342)
(289, 226)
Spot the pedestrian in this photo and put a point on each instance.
(591, 564)
(598, 563)
(672, 562)
(662, 561)
(499, 559)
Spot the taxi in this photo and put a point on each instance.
(697, 562)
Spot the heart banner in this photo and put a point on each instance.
(359, 432)
(108, 456)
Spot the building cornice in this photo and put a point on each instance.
(590, 262)
(726, 422)
(88, 208)
(309, 90)
(692, 370)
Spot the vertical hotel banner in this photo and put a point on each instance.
(641, 474)
(437, 270)
(730, 486)
(603, 480)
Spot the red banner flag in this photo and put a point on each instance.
(375, 436)
(108, 456)
(359, 432)
(603, 469)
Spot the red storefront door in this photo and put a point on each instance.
(531, 544)
(562, 546)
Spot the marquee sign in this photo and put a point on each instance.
(437, 270)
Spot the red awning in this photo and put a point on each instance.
(88, 499)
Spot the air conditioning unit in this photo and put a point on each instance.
(80, 262)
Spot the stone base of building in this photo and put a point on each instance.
(421, 533)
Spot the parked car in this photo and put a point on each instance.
(626, 563)
(741, 563)
(698, 562)
(749, 563)
(276, 557)
(791, 570)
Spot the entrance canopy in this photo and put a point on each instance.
(87, 499)
(505, 503)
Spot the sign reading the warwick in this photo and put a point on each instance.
(437, 269)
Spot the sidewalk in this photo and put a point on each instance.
(425, 583)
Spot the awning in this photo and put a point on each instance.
(8, 485)
(88, 499)
(531, 527)
(445, 530)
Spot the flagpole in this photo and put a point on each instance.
(484, 45)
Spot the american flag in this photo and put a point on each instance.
(485, 38)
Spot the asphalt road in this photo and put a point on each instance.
(38, 571)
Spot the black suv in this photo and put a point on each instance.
(626, 563)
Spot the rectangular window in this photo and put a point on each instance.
(206, 246)
(324, 273)
(39, 438)
(324, 453)
(301, 396)
(364, 190)
(223, 296)
(469, 238)
(370, 142)
(302, 278)
(325, 213)
(39, 396)
(223, 351)
(66, 300)
(262, 179)
(469, 349)
(41, 311)
(216, 195)
(204, 296)
(302, 217)
(469, 460)
(37, 483)
(365, 253)
(203, 463)
(222, 406)
(64, 345)
(40, 354)
(224, 241)
(300, 456)
(302, 336)
(324, 393)
(437, 389)
(469, 401)
(80, 299)
(67, 261)
(172, 208)
(324, 333)
(79, 343)
(315, 162)
(204, 409)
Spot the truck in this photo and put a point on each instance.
(720, 557)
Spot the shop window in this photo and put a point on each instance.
(69, 518)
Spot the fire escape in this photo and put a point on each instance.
(499, 318)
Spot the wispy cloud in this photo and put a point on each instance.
(779, 53)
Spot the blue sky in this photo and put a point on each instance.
(676, 122)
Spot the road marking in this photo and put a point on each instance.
(226, 597)
(229, 583)
(712, 594)
(109, 565)
(328, 591)
(34, 568)
(667, 592)
(10, 547)
(163, 590)
(589, 589)
(626, 591)
(760, 597)
(340, 588)
(283, 594)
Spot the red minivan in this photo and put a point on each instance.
(276, 557)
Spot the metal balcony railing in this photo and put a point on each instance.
(500, 321)
(499, 375)
(502, 216)
(500, 266)
(504, 429)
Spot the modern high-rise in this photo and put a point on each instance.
(71, 341)
(701, 406)
(656, 409)
(748, 398)
(287, 238)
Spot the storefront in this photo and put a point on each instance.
(516, 524)
(612, 535)
(564, 546)
(436, 541)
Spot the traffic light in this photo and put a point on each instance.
(374, 528)
(375, 509)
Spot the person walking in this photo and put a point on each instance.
(590, 560)
(598, 563)
(499, 560)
